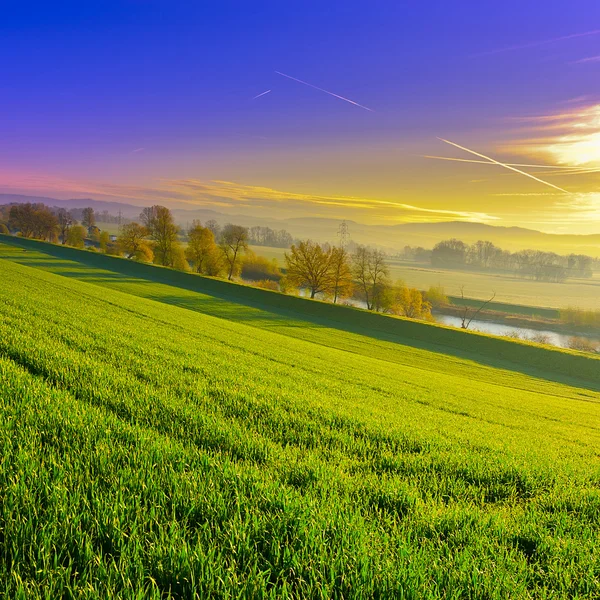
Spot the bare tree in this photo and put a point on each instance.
(64, 224)
(88, 218)
(233, 242)
(214, 227)
(466, 316)
(341, 273)
(371, 273)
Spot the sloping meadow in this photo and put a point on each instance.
(149, 450)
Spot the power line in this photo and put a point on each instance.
(343, 234)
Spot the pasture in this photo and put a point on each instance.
(167, 435)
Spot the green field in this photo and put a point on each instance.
(167, 435)
(510, 290)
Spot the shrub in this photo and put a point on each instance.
(582, 344)
(113, 249)
(267, 284)
(540, 338)
(259, 268)
(179, 261)
(436, 296)
(409, 302)
(515, 335)
(287, 287)
(76, 236)
(579, 317)
(104, 240)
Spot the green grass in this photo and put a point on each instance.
(187, 443)
(320, 322)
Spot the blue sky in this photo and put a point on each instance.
(134, 93)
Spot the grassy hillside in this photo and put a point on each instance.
(320, 322)
(187, 443)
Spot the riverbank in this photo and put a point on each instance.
(517, 319)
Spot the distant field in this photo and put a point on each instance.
(112, 228)
(270, 253)
(168, 435)
(580, 293)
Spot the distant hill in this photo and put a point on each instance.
(511, 238)
(128, 210)
(392, 238)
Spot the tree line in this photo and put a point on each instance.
(324, 271)
(36, 220)
(533, 264)
(265, 236)
(211, 250)
(332, 272)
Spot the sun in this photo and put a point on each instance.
(577, 150)
(569, 138)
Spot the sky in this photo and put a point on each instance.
(309, 109)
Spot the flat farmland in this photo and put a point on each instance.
(579, 293)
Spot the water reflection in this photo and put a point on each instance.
(551, 337)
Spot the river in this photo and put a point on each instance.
(551, 337)
(544, 336)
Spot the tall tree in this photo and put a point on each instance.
(233, 243)
(341, 273)
(214, 227)
(88, 218)
(159, 222)
(104, 240)
(76, 236)
(133, 243)
(371, 274)
(259, 268)
(449, 253)
(33, 220)
(308, 265)
(64, 224)
(202, 251)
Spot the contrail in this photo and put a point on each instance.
(589, 59)
(539, 43)
(486, 162)
(259, 95)
(322, 90)
(575, 172)
(504, 165)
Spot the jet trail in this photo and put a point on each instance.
(486, 162)
(322, 90)
(539, 43)
(575, 172)
(495, 162)
(259, 95)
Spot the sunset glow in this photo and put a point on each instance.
(171, 109)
